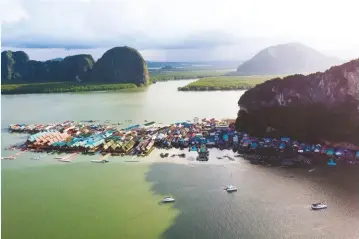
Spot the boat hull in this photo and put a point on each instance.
(319, 208)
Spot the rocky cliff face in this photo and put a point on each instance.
(121, 65)
(76, 68)
(319, 105)
(13, 65)
(16, 67)
(117, 65)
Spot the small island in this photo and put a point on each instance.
(119, 68)
(167, 67)
(161, 75)
(225, 83)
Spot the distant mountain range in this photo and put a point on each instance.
(286, 59)
(57, 59)
(193, 65)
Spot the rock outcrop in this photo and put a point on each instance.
(13, 65)
(117, 65)
(289, 58)
(313, 107)
(16, 67)
(121, 65)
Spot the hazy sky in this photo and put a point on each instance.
(178, 30)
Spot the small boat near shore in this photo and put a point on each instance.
(100, 161)
(8, 157)
(164, 155)
(318, 206)
(168, 200)
(37, 157)
(231, 188)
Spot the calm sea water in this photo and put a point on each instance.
(160, 102)
(45, 198)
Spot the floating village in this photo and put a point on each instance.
(91, 137)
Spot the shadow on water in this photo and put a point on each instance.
(341, 183)
(259, 209)
(181, 182)
(206, 210)
(337, 184)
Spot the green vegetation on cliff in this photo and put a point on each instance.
(120, 65)
(323, 105)
(16, 67)
(61, 87)
(309, 122)
(225, 83)
(179, 75)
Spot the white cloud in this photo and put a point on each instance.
(154, 24)
(11, 11)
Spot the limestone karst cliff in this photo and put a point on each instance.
(319, 105)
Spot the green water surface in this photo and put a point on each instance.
(82, 200)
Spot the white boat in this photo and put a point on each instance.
(65, 160)
(231, 188)
(8, 157)
(168, 199)
(100, 161)
(318, 206)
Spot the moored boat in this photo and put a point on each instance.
(168, 200)
(231, 188)
(8, 157)
(318, 206)
(100, 161)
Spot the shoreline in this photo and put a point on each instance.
(226, 83)
(204, 89)
(188, 160)
(65, 87)
(70, 87)
(195, 137)
(80, 92)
